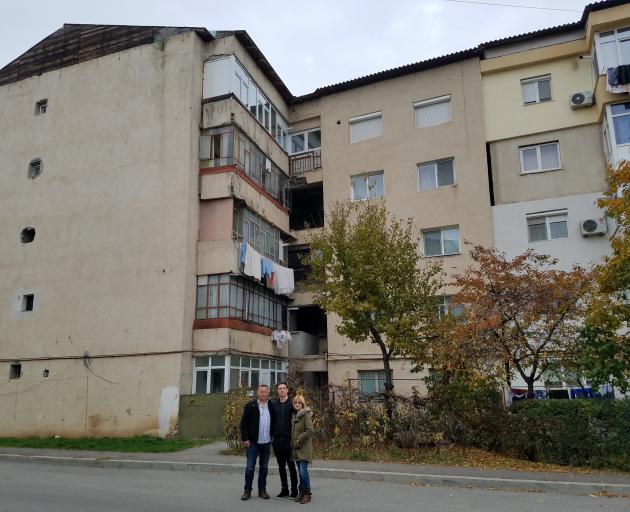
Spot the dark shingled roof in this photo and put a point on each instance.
(458, 56)
(75, 43)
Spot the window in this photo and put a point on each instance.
(229, 146)
(441, 242)
(613, 49)
(34, 168)
(218, 374)
(547, 226)
(209, 374)
(542, 157)
(536, 90)
(372, 382)
(440, 173)
(446, 307)
(368, 126)
(262, 236)
(15, 371)
(229, 296)
(367, 186)
(41, 107)
(621, 122)
(243, 87)
(27, 302)
(433, 112)
(305, 141)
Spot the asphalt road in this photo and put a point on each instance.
(28, 487)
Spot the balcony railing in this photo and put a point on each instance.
(305, 162)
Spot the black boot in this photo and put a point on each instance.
(283, 493)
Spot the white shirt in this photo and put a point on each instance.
(264, 425)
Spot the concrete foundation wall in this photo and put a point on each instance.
(201, 415)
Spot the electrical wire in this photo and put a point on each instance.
(513, 5)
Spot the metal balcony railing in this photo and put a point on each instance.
(305, 162)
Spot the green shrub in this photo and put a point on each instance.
(593, 433)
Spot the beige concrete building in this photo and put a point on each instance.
(159, 184)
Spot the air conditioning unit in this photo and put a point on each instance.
(593, 227)
(581, 99)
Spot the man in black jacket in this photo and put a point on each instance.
(283, 413)
(257, 425)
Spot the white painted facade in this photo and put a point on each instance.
(511, 230)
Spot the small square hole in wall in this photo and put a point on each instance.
(34, 168)
(41, 107)
(27, 235)
(15, 371)
(27, 302)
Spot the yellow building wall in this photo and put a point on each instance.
(507, 117)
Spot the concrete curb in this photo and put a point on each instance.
(560, 487)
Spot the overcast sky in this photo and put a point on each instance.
(310, 43)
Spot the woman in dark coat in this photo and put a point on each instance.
(302, 446)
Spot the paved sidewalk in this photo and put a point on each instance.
(208, 458)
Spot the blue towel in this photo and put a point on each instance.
(243, 251)
(266, 267)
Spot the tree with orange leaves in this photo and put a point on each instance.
(519, 311)
(605, 339)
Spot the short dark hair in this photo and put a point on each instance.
(282, 384)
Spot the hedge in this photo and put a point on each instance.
(593, 433)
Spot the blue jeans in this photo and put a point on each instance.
(260, 451)
(305, 481)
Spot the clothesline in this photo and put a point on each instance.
(278, 278)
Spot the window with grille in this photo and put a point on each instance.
(433, 112)
(368, 126)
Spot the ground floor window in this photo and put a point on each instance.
(218, 374)
(371, 381)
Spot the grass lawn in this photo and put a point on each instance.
(147, 444)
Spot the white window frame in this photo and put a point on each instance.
(305, 134)
(433, 101)
(435, 170)
(536, 79)
(618, 35)
(41, 107)
(441, 230)
(608, 148)
(521, 149)
(366, 117)
(547, 216)
(196, 369)
(612, 116)
(365, 177)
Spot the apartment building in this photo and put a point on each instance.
(553, 125)
(413, 137)
(128, 190)
(159, 185)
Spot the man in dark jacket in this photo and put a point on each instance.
(283, 412)
(257, 425)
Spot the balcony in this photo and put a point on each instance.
(308, 161)
(229, 146)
